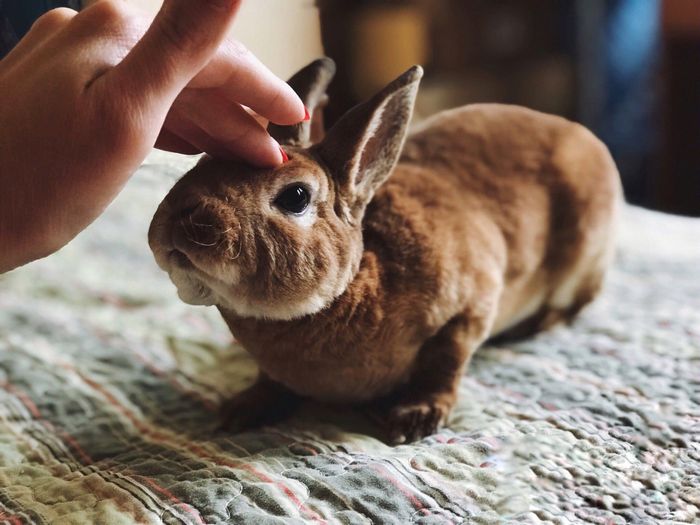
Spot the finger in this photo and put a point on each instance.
(201, 140)
(41, 31)
(169, 141)
(231, 131)
(182, 39)
(260, 120)
(245, 80)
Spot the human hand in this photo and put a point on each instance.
(85, 96)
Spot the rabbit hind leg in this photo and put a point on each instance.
(422, 405)
(562, 307)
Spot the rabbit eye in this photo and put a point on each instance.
(293, 199)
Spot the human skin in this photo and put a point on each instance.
(85, 96)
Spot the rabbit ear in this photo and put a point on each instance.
(310, 83)
(362, 149)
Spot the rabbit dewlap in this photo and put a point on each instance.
(371, 265)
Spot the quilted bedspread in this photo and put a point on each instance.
(109, 390)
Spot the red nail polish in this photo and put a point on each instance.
(307, 115)
(285, 157)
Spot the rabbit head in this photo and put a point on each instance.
(284, 243)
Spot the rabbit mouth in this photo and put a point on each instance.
(191, 288)
(178, 259)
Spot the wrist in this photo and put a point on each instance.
(23, 234)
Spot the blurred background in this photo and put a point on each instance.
(628, 69)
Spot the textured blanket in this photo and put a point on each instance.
(109, 389)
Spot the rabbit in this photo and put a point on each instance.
(368, 268)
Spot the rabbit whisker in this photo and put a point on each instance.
(191, 236)
(240, 249)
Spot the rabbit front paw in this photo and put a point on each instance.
(411, 421)
(264, 403)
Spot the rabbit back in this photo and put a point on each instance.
(531, 194)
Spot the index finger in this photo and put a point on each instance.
(238, 74)
(183, 37)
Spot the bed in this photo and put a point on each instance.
(110, 386)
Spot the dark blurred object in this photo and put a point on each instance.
(17, 16)
(610, 64)
(617, 56)
(677, 189)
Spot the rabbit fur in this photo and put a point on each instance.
(487, 220)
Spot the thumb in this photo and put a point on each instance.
(183, 37)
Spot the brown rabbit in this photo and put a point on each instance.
(365, 269)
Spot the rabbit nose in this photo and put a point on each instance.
(198, 228)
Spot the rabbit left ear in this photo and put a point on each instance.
(310, 83)
(362, 149)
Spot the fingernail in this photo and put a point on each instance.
(307, 115)
(285, 158)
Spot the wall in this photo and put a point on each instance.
(283, 34)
